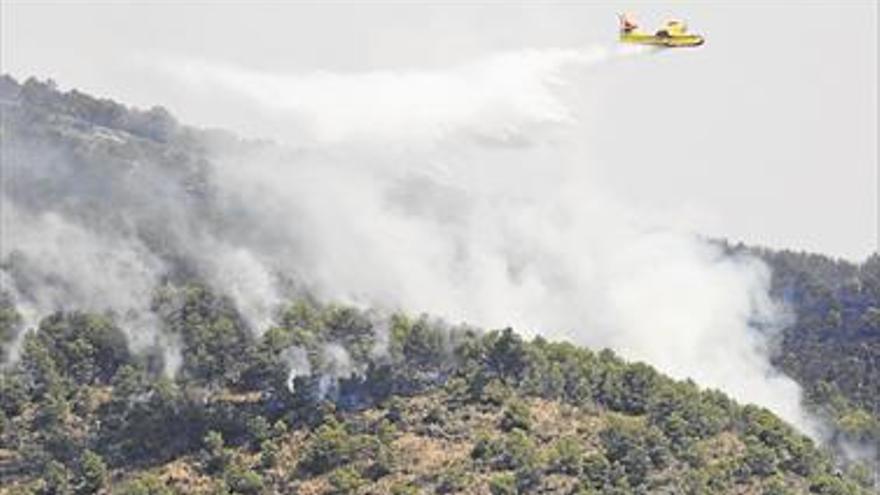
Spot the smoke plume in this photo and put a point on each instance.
(297, 363)
(460, 193)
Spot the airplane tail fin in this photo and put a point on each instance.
(627, 24)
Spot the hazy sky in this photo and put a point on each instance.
(767, 134)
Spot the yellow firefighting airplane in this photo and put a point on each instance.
(673, 35)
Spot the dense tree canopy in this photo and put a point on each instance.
(82, 413)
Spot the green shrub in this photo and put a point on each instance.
(345, 480)
(831, 485)
(331, 446)
(596, 470)
(56, 480)
(215, 456)
(777, 486)
(761, 459)
(93, 473)
(268, 454)
(147, 484)
(503, 484)
(242, 480)
(453, 480)
(566, 457)
(516, 415)
(403, 488)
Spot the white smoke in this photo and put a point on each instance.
(298, 364)
(381, 335)
(459, 193)
(246, 280)
(337, 364)
(57, 264)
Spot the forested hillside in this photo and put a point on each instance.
(432, 409)
(832, 346)
(835, 338)
(175, 389)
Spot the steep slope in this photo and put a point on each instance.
(444, 410)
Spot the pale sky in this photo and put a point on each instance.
(769, 130)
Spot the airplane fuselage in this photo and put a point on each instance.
(669, 40)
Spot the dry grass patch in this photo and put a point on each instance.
(419, 454)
